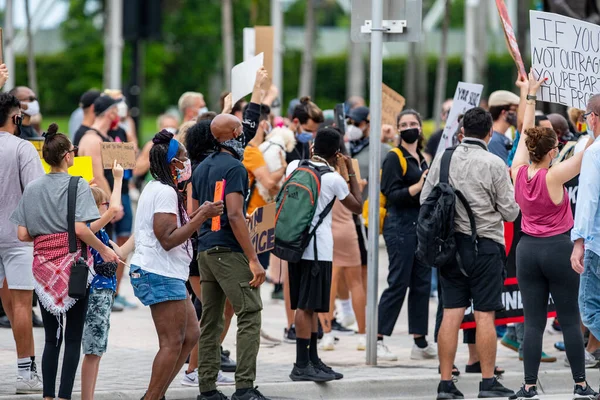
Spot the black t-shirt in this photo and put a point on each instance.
(433, 143)
(215, 168)
(79, 134)
(119, 135)
(395, 183)
(300, 152)
(27, 132)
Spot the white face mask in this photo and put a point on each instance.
(33, 108)
(202, 111)
(171, 130)
(353, 133)
(122, 109)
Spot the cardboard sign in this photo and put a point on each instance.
(511, 40)
(82, 166)
(467, 96)
(124, 153)
(243, 77)
(262, 228)
(392, 104)
(566, 52)
(264, 44)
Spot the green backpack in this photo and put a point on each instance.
(296, 207)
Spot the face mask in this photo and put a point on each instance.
(202, 111)
(186, 173)
(353, 133)
(234, 146)
(171, 130)
(410, 135)
(114, 123)
(511, 118)
(304, 137)
(122, 109)
(33, 108)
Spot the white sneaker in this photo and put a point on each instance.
(328, 342)
(590, 360)
(428, 353)
(347, 319)
(383, 353)
(190, 379)
(223, 380)
(362, 342)
(28, 386)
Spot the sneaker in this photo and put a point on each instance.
(289, 335)
(545, 357)
(523, 394)
(216, 396)
(264, 335)
(4, 322)
(277, 293)
(347, 320)
(590, 360)
(226, 352)
(116, 307)
(29, 386)
(190, 379)
(328, 342)
(509, 343)
(428, 353)
(224, 380)
(328, 370)
(384, 354)
(252, 394)
(448, 391)
(121, 300)
(580, 393)
(495, 390)
(362, 343)
(310, 373)
(560, 346)
(36, 321)
(340, 329)
(227, 364)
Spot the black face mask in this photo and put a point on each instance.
(410, 135)
(511, 118)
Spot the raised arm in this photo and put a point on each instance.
(115, 205)
(565, 171)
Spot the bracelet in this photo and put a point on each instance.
(531, 97)
(351, 175)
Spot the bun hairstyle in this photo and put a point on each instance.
(56, 145)
(539, 142)
(308, 110)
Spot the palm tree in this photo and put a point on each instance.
(227, 37)
(31, 69)
(307, 69)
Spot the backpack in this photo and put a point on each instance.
(382, 198)
(435, 228)
(296, 207)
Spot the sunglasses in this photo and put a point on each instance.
(74, 150)
(587, 114)
(106, 203)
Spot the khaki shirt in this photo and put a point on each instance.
(484, 180)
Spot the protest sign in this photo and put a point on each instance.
(263, 43)
(392, 104)
(467, 96)
(511, 40)
(124, 153)
(249, 43)
(38, 143)
(82, 166)
(262, 228)
(566, 52)
(243, 77)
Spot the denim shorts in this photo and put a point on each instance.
(153, 288)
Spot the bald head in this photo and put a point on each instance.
(559, 124)
(225, 127)
(594, 104)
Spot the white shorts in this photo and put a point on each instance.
(16, 266)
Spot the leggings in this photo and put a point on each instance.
(543, 268)
(72, 336)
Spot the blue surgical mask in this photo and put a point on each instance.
(304, 137)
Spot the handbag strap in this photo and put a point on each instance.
(71, 207)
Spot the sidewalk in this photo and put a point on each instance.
(125, 369)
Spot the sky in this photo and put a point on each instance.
(51, 19)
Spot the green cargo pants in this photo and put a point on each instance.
(226, 274)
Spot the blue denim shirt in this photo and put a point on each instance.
(587, 213)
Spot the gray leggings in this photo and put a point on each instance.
(543, 268)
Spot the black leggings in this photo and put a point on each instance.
(543, 268)
(73, 333)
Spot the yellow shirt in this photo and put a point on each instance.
(253, 160)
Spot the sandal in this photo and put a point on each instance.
(475, 368)
(455, 371)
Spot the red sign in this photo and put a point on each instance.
(511, 39)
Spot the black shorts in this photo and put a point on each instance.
(485, 281)
(310, 285)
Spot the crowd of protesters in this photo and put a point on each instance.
(157, 221)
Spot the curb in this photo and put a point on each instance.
(405, 387)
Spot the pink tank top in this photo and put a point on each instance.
(540, 216)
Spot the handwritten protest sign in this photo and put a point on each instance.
(264, 44)
(124, 153)
(262, 228)
(566, 51)
(82, 166)
(511, 40)
(467, 96)
(243, 77)
(392, 104)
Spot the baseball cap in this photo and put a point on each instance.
(503, 98)
(88, 98)
(103, 103)
(358, 114)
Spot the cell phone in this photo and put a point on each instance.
(340, 117)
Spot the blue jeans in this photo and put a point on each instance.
(152, 288)
(589, 293)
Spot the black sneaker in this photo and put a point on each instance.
(495, 390)
(252, 394)
(289, 335)
(340, 329)
(310, 373)
(216, 396)
(523, 394)
(328, 370)
(448, 391)
(227, 364)
(226, 352)
(580, 393)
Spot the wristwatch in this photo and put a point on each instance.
(530, 97)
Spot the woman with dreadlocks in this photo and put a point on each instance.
(160, 265)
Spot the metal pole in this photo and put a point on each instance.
(374, 184)
(9, 53)
(277, 24)
(470, 71)
(115, 44)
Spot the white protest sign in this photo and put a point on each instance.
(566, 51)
(249, 41)
(243, 77)
(467, 96)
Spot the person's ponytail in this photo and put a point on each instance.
(56, 145)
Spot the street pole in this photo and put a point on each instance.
(374, 184)
(9, 53)
(277, 24)
(113, 46)
(470, 71)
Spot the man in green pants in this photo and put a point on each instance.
(229, 267)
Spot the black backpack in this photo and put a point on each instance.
(435, 230)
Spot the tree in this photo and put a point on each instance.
(31, 70)
(307, 71)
